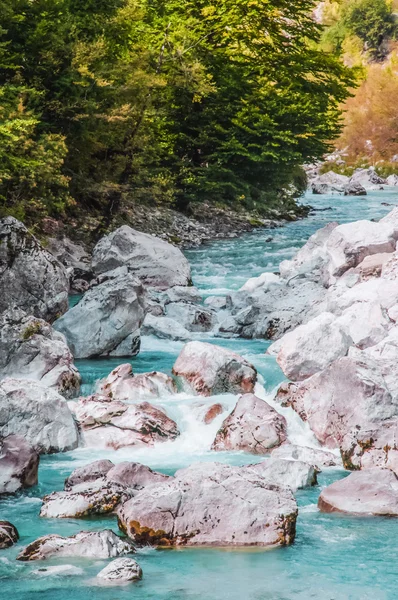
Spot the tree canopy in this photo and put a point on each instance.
(107, 101)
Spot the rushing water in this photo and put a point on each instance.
(334, 557)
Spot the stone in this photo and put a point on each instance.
(351, 394)
(192, 317)
(31, 279)
(86, 544)
(84, 499)
(328, 183)
(211, 370)
(213, 412)
(106, 315)
(265, 280)
(372, 265)
(293, 474)
(354, 188)
(219, 302)
(121, 570)
(31, 349)
(38, 414)
(316, 457)
(371, 492)
(19, 464)
(253, 426)
(75, 259)
(350, 243)
(164, 328)
(8, 535)
(311, 347)
(113, 424)
(122, 385)
(311, 259)
(91, 472)
(134, 475)
(368, 178)
(211, 505)
(155, 262)
(58, 571)
(183, 294)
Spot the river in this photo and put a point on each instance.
(334, 556)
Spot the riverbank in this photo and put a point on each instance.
(204, 223)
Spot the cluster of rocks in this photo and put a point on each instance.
(362, 180)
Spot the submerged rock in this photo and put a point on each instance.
(114, 424)
(211, 369)
(371, 492)
(121, 570)
(8, 534)
(108, 313)
(31, 349)
(86, 544)
(31, 279)
(122, 385)
(19, 464)
(253, 426)
(38, 414)
(155, 262)
(211, 505)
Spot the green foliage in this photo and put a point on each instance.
(31, 330)
(109, 101)
(371, 20)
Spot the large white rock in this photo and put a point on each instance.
(311, 347)
(370, 492)
(253, 426)
(155, 262)
(31, 349)
(350, 243)
(211, 369)
(211, 505)
(30, 277)
(19, 464)
(122, 385)
(38, 414)
(106, 315)
(352, 394)
(121, 570)
(86, 544)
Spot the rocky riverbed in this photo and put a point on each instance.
(148, 415)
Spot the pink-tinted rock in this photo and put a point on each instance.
(349, 395)
(314, 456)
(372, 265)
(211, 369)
(370, 492)
(211, 505)
(19, 464)
(253, 426)
(121, 384)
(294, 474)
(95, 470)
(134, 475)
(114, 424)
(212, 412)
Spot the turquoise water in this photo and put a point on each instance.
(334, 557)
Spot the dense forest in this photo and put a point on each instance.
(107, 102)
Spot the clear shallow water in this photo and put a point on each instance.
(334, 557)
